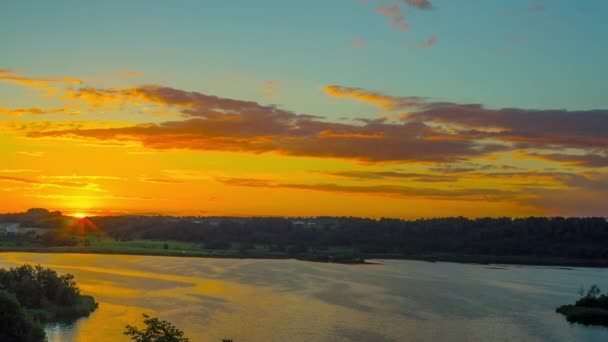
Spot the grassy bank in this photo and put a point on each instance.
(329, 254)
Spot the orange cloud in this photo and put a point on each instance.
(36, 111)
(36, 83)
(377, 190)
(358, 43)
(429, 43)
(594, 160)
(128, 74)
(373, 98)
(64, 184)
(395, 16)
(431, 132)
(161, 180)
(269, 92)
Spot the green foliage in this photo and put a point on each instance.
(526, 237)
(591, 308)
(46, 294)
(15, 324)
(531, 240)
(594, 299)
(156, 330)
(584, 315)
(36, 286)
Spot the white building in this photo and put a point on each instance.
(10, 227)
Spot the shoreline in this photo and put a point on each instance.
(359, 260)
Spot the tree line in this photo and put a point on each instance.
(580, 238)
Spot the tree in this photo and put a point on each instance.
(15, 324)
(156, 330)
(593, 292)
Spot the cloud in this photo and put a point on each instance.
(95, 197)
(39, 183)
(430, 132)
(82, 177)
(17, 170)
(395, 16)
(528, 128)
(585, 196)
(429, 43)
(381, 175)
(36, 111)
(421, 4)
(358, 43)
(31, 153)
(374, 98)
(290, 136)
(128, 74)
(270, 93)
(582, 160)
(377, 190)
(37, 83)
(161, 180)
(537, 8)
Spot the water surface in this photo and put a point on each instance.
(289, 300)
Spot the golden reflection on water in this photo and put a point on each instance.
(197, 305)
(288, 300)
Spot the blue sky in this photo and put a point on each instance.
(498, 53)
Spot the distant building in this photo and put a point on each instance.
(10, 228)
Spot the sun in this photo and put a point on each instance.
(79, 215)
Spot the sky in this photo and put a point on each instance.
(373, 108)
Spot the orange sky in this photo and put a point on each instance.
(91, 147)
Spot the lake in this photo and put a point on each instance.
(289, 300)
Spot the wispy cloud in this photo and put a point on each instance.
(374, 98)
(160, 180)
(382, 175)
(36, 111)
(128, 74)
(395, 16)
(13, 76)
(429, 43)
(358, 43)
(31, 153)
(376, 190)
(537, 8)
(421, 4)
(17, 170)
(41, 183)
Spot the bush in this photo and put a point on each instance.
(156, 330)
(45, 293)
(15, 324)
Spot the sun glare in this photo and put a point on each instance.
(80, 215)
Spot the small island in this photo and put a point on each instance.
(33, 295)
(590, 309)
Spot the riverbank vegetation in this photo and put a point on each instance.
(157, 330)
(532, 240)
(590, 309)
(32, 295)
